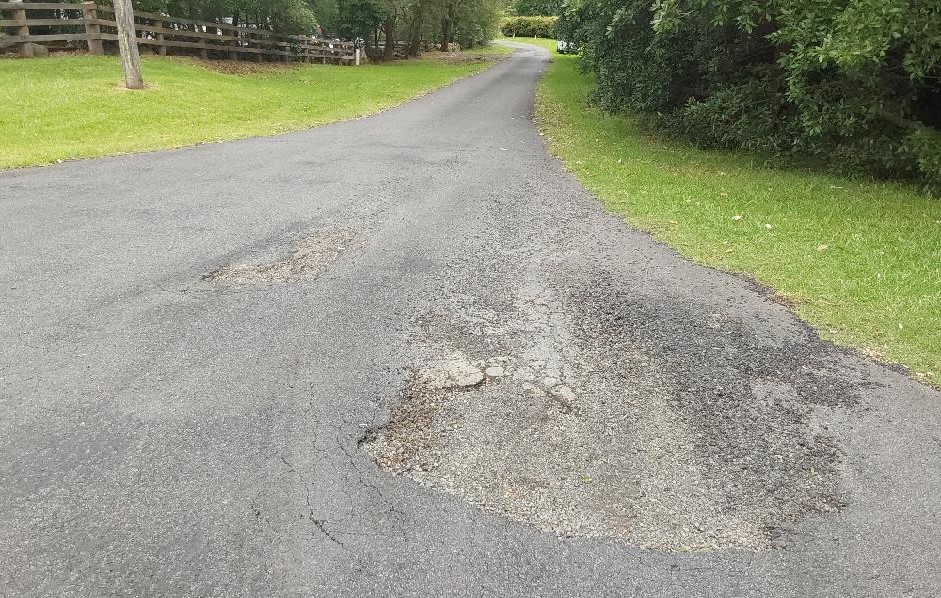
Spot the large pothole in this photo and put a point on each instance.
(610, 419)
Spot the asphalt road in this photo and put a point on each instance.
(217, 378)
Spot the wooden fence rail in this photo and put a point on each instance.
(86, 23)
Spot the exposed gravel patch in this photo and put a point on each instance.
(311, 256)
(611, 418)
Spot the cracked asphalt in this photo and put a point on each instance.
(197, 344)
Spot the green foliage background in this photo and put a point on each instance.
(537, 26)
(467, 22)
(533, 8)
(853, 85)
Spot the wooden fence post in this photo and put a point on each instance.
(254, 37)
(203, 52)
(127, 41)
(233, 43)
(19, 14)
(161, 38)
(92, 29)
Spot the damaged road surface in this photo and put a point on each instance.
(424, 367)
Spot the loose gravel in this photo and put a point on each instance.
(311, 256)
(615, 418)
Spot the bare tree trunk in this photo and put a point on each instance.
(127, 41)
(444, 34)
(414, 44)
(447, 28)
(389, 30)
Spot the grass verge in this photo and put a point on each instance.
(548, 44)
(73, 107)
(860, 261)
(488, 50)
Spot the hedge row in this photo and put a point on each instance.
(529, 26)
(854, 87)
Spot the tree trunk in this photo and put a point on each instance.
(414, 45)
(127, 41)
(389, 30)
(445, 25)
(447, 28)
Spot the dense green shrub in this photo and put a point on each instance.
(529, 26)
(535, 7)
(850, 84)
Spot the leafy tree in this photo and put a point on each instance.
(286, 16)
(475, 22)
(418, 22)
(358, 18)
(423, 22)
(533, 8)
(327, 13)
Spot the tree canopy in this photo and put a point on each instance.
(853, 84)
(536, 8)
(287, 16)
(467, 22)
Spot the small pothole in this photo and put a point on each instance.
(311, 256)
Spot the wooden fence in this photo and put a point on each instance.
(86, 23)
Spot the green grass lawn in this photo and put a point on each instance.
(74, 107)
(548, 44)
(488, 50)
(860, 261)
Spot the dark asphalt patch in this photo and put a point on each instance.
(655, 425)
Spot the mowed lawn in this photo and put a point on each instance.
(62, 108)
(860, 261)
(548, 44)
